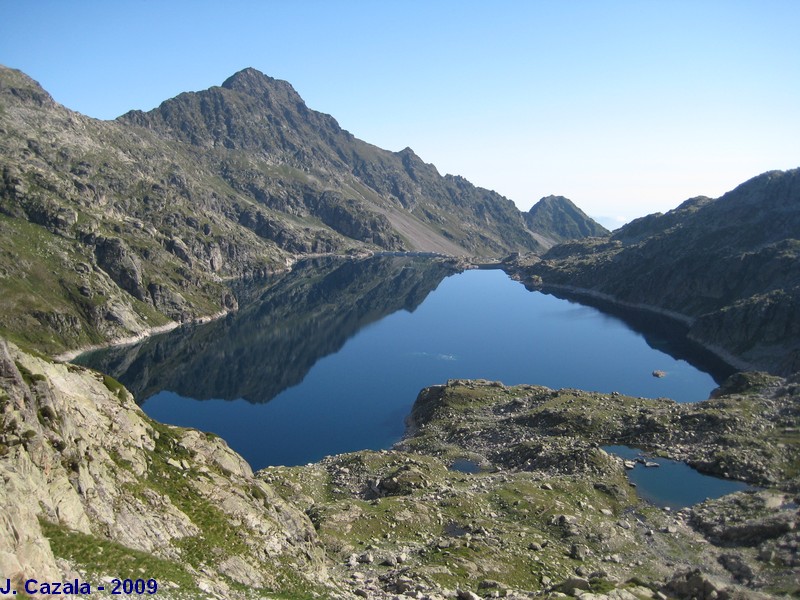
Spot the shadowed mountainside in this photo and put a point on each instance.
(729, 268)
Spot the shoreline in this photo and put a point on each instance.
(70, 355)
(725, 356)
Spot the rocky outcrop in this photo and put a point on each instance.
(557, 431)
(114, 257)
(78, 458)
(351, 219)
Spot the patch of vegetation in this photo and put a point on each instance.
(101, 557)
(217, 537)
(27, 376)
(115, 387)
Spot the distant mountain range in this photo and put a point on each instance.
(728, 268)
(111, 227)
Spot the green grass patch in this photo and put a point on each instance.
(114, 386)
(217, 537)
(101, 557)
(27, 376)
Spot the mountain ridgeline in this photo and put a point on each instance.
(109, 228)
(728, 268)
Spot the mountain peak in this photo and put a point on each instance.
(255, 83)
(552, 200)
(249, 110)
(18, 85)
(562, 219)
(248, 77)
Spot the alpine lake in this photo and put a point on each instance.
(329, 357)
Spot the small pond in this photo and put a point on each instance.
(462, 465)
(672, 483)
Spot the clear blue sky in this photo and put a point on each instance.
(625, 107)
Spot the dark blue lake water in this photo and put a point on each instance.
(330, 360)
(672, 483)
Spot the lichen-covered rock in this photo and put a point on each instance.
(747, 519)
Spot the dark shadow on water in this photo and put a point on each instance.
(659, 332)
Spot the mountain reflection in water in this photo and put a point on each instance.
(329, 357)
(284, 326)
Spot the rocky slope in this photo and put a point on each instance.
(560, 220)
(94, 489)
(728, 268)
(110, 228)
(557, 431)
(549, 511)
(265, 122)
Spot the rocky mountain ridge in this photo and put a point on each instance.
(112, 227)
(729, 268)
(267, 119)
